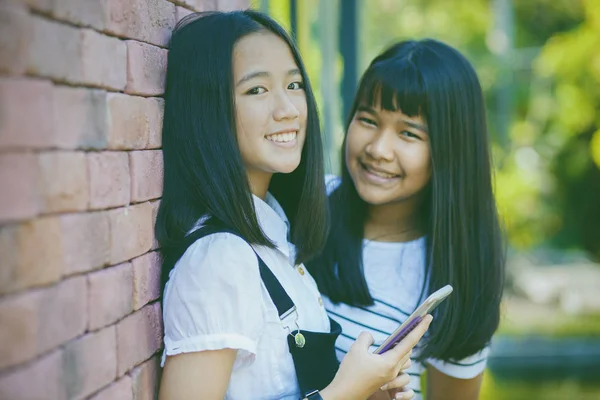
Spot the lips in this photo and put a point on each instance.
(378, 172)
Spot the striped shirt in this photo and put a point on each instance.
(395, 275)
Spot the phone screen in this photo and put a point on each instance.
(413, 320)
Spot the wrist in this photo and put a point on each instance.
(330, 393)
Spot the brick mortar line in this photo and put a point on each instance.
(83, 85)
(52, 18)
(128, 373)
(79, 212)
(37, 151)
(11, 295)
(12, 368)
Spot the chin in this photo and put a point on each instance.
(286, 168)
(369, 196)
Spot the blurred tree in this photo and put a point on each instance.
(572, 61)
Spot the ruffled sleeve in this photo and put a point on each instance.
(213, 299)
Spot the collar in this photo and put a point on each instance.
(273, 221)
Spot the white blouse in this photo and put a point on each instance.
(215, 299)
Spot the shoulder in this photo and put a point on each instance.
(218, 257)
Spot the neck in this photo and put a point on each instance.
(259, 183)
(394, 222)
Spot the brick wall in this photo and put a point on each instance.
(80, 182)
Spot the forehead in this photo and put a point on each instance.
(262, 51)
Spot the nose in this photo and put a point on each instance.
(380, 147)
(284, 108)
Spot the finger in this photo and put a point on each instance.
(407, 395)
(411, 339)
(405, 358)
(406, 365)
(364, 340)
(398, 382)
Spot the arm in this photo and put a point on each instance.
(444, 387)
(199, 375)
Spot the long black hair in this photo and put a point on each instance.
(464, 245)
(204, 174)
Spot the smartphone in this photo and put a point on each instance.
(413, 320)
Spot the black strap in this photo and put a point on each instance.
(280, 298)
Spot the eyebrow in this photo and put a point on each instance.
(262, 74)
(406, 121)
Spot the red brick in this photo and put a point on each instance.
(20, 99)
(187, 3)
(104, 60)
(128, 121)
(130, 232)
(62, 313)
(146, 279)
(40, 5)
(230, 5)
(86, 241)
(90, 362)
(36, 321)
(155, 205)
(146, 67)
(139, 336)
(42, 379)
(150, 21)
(119, 390)
(19, 180)
(206, 5)
(19, 328)
(55, 51)
(40, 253)
(32, 254)
(181, 12)
(146, 174)
(80, 118)
(145, 380)
(80, 12)
(110, 295)
(10, 257)
(15, 35)
(156, 108)
(110, 182)
(64, 181)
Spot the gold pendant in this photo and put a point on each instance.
(300, 340)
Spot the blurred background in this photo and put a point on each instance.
(539, 64)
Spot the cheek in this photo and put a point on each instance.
(353, 143)
(251, 119)
(302, 107)
(420, 162)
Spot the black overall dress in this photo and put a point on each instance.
(313, 353)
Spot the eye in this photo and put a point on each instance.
(256, 90)
(296, 85)
(410, 135)
(367, 121)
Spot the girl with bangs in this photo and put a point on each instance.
(413, 211)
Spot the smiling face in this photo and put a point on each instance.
(387, 155)
(271, 110)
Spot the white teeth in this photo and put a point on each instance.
(282, 137)
(381, 174)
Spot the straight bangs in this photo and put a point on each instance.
(394, 84)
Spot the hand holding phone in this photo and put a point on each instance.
(413, 320)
